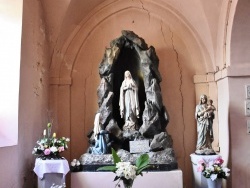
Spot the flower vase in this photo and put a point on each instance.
(214, 184)
(128, 183)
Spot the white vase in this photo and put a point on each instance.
(214, 184)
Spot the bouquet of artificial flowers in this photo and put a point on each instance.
(49, 146)
(213, 169)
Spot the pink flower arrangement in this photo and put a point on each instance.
(213, 169)
(50, 147)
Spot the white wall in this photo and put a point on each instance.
(10, 48)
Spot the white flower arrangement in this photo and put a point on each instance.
(75, 163)
(125, 171)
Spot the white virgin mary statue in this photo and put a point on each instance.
(129, 105)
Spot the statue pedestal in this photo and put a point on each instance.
(199, 180)
(171, 179)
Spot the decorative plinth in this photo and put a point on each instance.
(51, 172)
(199, 180)
(49, 179)
(162, 179)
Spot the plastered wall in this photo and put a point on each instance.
(74, 72)
(59, 71)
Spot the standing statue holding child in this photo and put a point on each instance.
(204, 114)
(129, 104)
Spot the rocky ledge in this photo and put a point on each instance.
(160, 161)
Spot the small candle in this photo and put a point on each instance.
(54, 135)
(44, 132)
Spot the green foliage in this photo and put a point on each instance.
(142, 163)
(107, 168)
(116, 158)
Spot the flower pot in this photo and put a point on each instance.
(214, 184)
(128, 183)
(50, 156)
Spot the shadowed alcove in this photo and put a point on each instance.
(127, 60)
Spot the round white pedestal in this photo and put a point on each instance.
(199, 180)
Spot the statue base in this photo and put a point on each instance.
(205, 152)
